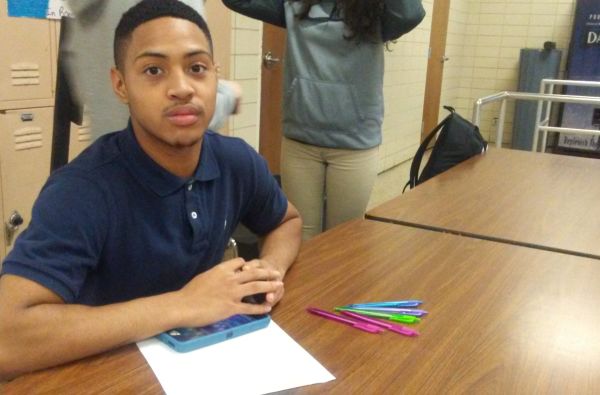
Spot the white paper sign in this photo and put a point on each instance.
(57, 9)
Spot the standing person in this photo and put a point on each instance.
(333, 98)
(126, 240)
(86, 53)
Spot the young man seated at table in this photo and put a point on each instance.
(125, 241)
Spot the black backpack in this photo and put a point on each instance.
(458, 140)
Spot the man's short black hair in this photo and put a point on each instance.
(147, 10)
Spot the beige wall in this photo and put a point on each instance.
(246, 43)
(404, 91)
(484, 40)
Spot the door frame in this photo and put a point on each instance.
(435, 65)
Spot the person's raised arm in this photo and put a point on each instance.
(269, 11)
(38, 330)
(229, 97)
(400, 17)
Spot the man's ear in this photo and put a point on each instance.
(118, 85)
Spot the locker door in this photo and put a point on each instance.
(25, 64)
(79, 138)
(3, 240)
(25, 145)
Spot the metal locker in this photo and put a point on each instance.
(26, 61)
(25, 147)
(3, 240)
(79, 138)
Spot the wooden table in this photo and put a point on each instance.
(538, 200)
(503, 319)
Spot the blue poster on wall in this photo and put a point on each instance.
(41, 9)
(583, 64)
(28, 8)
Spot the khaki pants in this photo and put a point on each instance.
(327, 185)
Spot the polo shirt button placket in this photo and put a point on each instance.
(190, 186)
(194, 208)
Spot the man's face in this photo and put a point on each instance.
(169, 81)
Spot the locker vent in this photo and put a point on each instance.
(84, 134)
(28, 138)
(25, 74)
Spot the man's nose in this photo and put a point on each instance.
(179, 86)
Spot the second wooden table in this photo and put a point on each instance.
(536, 200)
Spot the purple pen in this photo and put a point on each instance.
(415, 312)
(355, 324)
(389, 326)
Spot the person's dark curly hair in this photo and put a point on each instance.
(363, 17)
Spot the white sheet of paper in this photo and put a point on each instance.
(264, 361)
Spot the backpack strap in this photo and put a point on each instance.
(416, 162)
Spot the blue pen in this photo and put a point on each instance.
(391, 303)
(405, 311)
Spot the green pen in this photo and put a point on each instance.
(406, 319)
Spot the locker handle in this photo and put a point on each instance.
(14, 221)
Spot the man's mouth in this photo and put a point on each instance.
(183, 115)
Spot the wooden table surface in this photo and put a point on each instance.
(503, 319)
(538, 200)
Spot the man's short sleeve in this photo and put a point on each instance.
(63, 241)
(268, 203)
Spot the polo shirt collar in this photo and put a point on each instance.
(155, 177)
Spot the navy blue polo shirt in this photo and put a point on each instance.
(113, 225)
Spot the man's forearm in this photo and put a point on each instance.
(38, 330)
(280, 247)
(50, 334)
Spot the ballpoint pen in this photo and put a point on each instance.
(387, 325)
(406, 319)
(397, 310)
(344, 320)
(391, 303)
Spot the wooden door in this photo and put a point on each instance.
(435, 65)
(271, 96)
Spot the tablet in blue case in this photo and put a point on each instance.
(188, 339)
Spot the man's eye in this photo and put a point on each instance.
(198, 68)
(152, 70)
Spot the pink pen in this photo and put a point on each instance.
(387, 325)
(355, 324)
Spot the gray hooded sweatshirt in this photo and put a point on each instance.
(333, 86)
